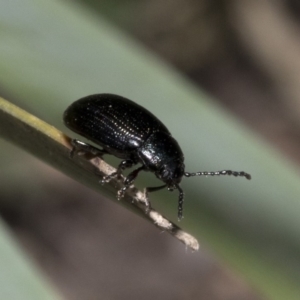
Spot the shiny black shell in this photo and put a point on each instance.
(130, 132)
(125, 130)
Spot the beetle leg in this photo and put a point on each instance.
(125, 164)
(157, 188)
(150, 190)
(122, 166)
(129, 180)
(82, 148)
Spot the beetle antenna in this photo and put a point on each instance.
(180, 202)
(225, 172)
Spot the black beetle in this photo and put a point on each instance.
(130, 132)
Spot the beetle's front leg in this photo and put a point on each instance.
(149, 190)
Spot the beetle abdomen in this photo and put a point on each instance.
(117, 124)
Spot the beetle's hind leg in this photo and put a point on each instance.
(82, 148)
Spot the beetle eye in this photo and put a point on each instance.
(178, 172)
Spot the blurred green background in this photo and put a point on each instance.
(224, 78)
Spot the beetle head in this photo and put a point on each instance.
(171, 173)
